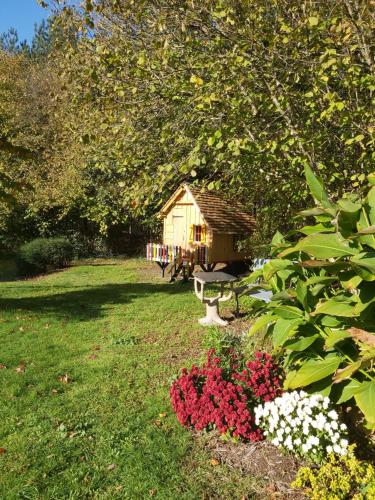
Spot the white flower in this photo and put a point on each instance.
(305, 447)
(333, 415)
(291, 420)
(337, 449)
(327, 428)
(334, 425)
(344, 443)
(308, 410)
(288, 442)
(300, 414)
(314, 440)
(335, 437)
(315, 424)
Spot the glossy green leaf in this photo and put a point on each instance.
(342, 305)
(316, 186)
(349, 390)
(330, 321)
(326, 280)
(288, 312)
(346, 372)
(275, 265)
(313, 370)
(301, 343)
(261, 322)
(365, 399)
(324, 246)
(314, 212)
(318, 228)
(334, 337)
(350, 279)
(365, 260)
(301, 293)
(283, 329)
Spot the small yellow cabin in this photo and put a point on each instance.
(200, 227)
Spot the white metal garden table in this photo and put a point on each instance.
(212, 303)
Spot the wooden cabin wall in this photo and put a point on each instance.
(223, 250)
(177, 223)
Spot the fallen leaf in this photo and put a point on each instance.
(162, 415)
(93, 356)
(214, 462)
(151, 492)
(96, 348)
(111, 467)
(21, 367)
(21, 329)
(2, 367)
(2, 451)
(157, 423)
(54, 391)
(363, 336)
(65, 379)
(46, 326)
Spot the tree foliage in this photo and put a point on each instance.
(236, 95)
(233, 95)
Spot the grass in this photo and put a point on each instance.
(90, 353)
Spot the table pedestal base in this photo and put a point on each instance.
(212, 315)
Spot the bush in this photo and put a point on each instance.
(342, 478)
(321, 317)
(306, 425)
(89, 246)
(219, 397)
(43, 254)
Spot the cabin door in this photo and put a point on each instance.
(179, 237)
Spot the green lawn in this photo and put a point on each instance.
(119, 333)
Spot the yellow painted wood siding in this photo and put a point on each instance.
(185, 208)
(183, 214)
(222, 249)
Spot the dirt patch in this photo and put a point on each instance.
(262, 460)
(150, 272)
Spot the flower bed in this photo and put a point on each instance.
(223, 397)
(243, 400)
(305, 425)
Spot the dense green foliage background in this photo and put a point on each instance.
(125, 100)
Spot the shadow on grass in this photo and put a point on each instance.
(89, 303)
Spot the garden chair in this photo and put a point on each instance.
(253, 289)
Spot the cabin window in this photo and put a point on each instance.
(198, 233)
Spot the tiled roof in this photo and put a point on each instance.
(222, 216)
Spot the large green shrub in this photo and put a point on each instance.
(43, 254)
(322, 316)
